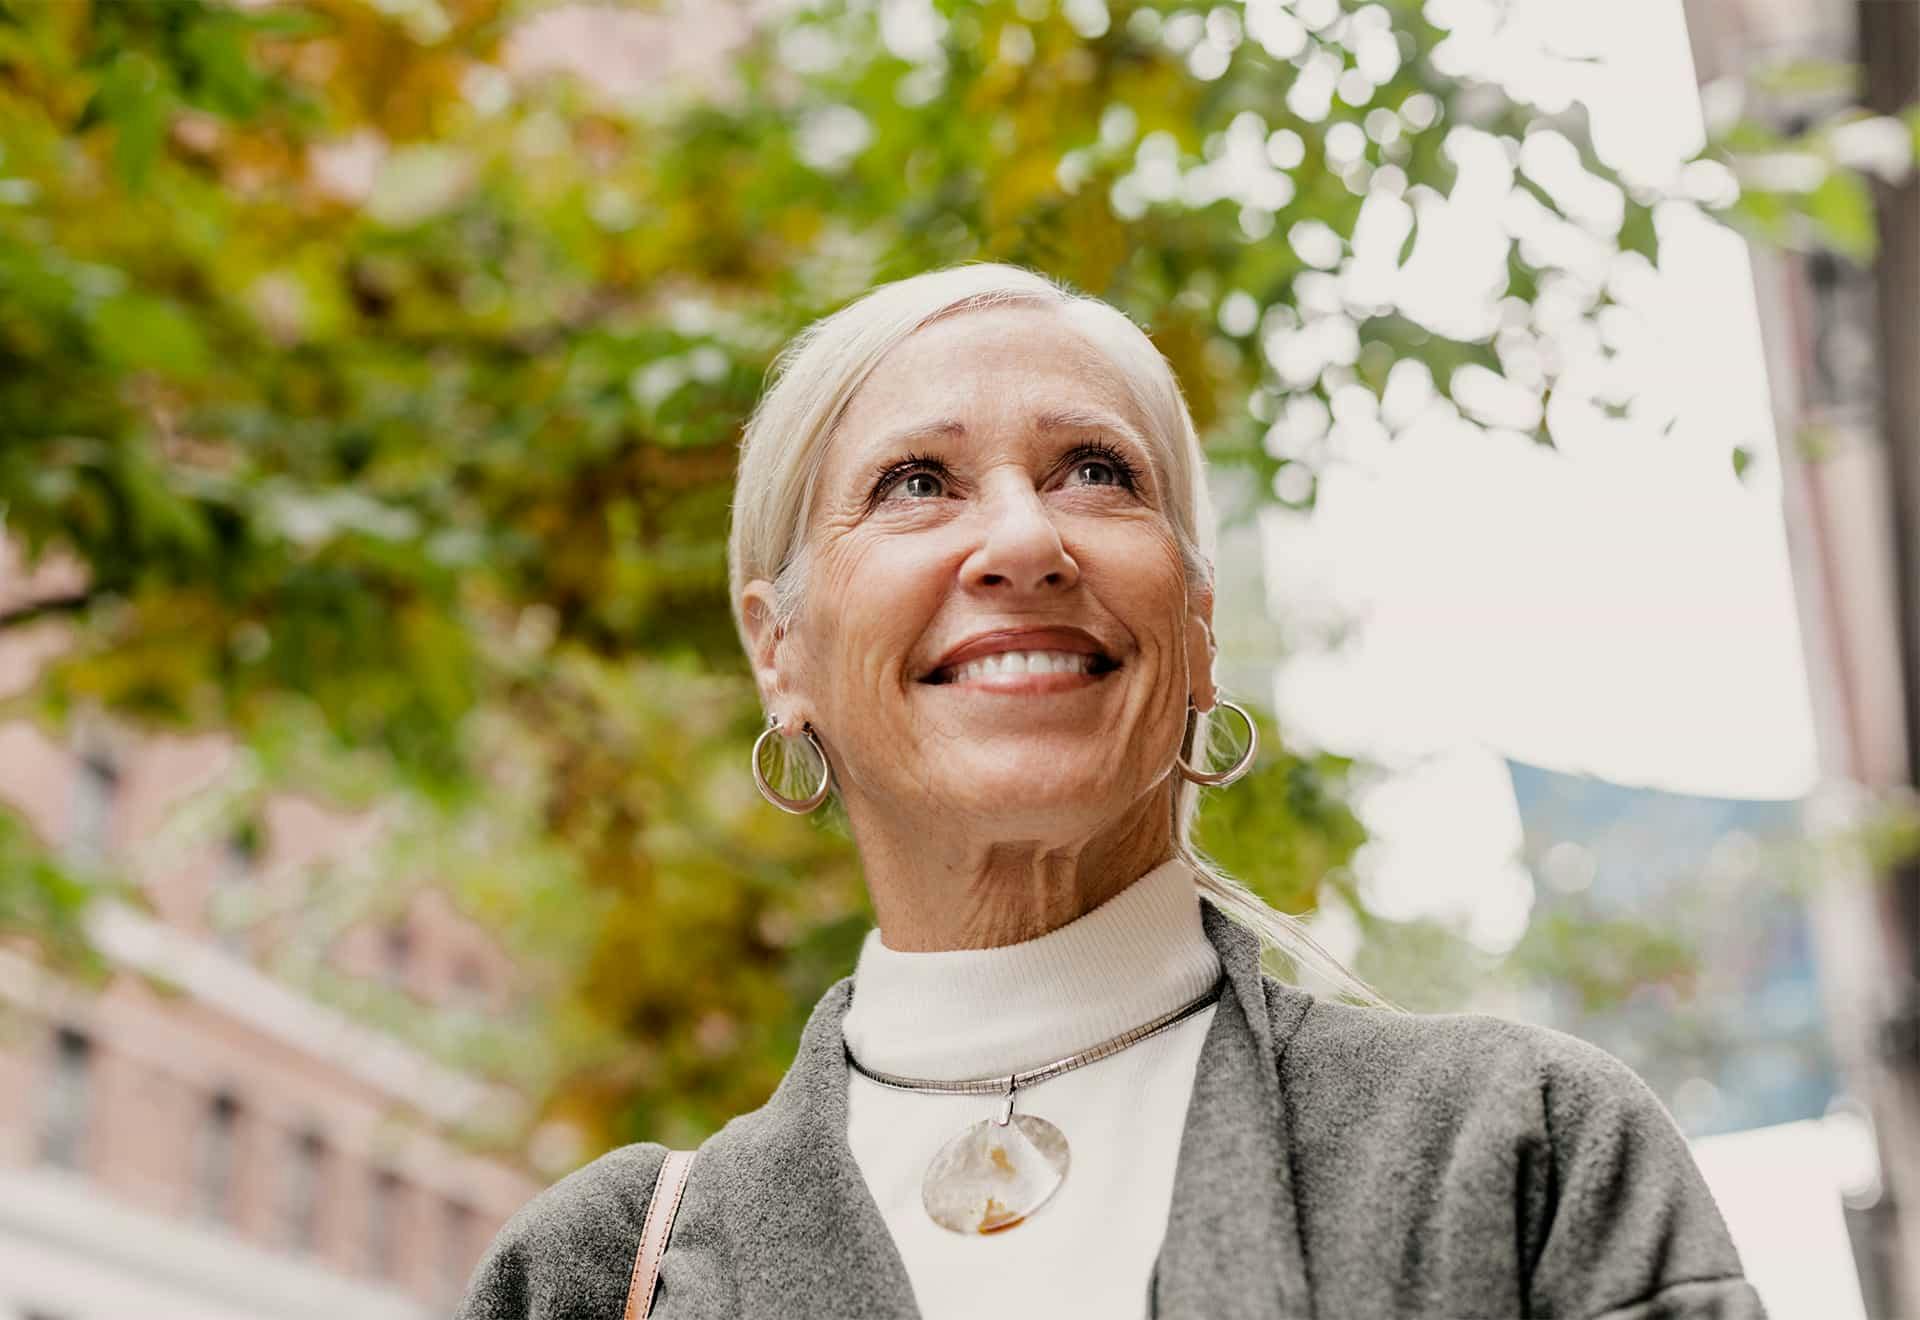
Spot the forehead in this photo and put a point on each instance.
(982, 366)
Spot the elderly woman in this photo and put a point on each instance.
(971, 565)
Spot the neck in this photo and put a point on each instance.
(983, 1012)
(936, 890)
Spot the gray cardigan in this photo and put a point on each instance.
(1337, 1162)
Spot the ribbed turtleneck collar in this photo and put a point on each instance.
(968, 1012)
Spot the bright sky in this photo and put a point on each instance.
(1621, 608)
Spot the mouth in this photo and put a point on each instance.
(1031, 659)
(1018, 664)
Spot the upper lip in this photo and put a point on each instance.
(1019, 639)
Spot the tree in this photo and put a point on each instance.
(388, 394)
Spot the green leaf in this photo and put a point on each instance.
(1765, 213)
(1638, 234)
(1538, 193)
(283, 22)
(135, 98)
(45, 901)
(1841, 210)
(1808, 77)
(224, 77)
(139, 333)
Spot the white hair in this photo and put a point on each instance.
(817, 374)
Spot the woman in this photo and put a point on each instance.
(971, 565)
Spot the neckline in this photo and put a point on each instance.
(964, 1013)
(796, 1204)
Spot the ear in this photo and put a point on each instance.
(1201, 650)
(770, 653)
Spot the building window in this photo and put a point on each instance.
(96, 788)
(67, 1101)
(456, 1246)
(383, 1220)
(219, 1148)
(303, 1190)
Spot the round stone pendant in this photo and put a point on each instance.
(994, 1175)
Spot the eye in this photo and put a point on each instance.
(919, 476)
(1100, 464)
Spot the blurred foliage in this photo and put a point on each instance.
(388, 390)
(1699, 973)
(1284, 827)
(1792, 157)
(1599, 957)
(43, 904)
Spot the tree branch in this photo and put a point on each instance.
(46, 607)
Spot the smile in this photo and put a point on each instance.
(1074, 666)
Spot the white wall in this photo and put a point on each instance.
(70, 1252)
(1779, 1191)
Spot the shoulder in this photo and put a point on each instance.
(569, 1250)
(1457, 1059)
(1532, 1137)
(1368, 1078)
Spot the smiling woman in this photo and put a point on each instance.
(971, 565)
(1026, 520)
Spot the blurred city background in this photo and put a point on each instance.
(377, 839)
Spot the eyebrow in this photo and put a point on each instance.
(1091, 419)
(945, 428)
(1053, 419)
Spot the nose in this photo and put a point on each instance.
(1020, 548)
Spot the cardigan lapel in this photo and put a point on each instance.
(805, 1237)
(1232, 1248)
(804, 1234)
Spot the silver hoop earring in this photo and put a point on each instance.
(1232, 772)
(798, 806)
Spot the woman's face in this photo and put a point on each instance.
(997, 633)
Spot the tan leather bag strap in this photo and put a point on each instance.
(653, 1235)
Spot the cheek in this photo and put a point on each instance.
(1146, 589)
(1137, 571)
(869, 605)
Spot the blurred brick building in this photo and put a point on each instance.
(1841, 341)
(198, 1140)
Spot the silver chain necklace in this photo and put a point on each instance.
(1001, 1169)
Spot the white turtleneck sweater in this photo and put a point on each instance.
(1089, 1251)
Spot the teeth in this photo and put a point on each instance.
(1024, 662)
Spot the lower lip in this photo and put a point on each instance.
(1016, 685)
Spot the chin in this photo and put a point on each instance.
(1036, 801)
